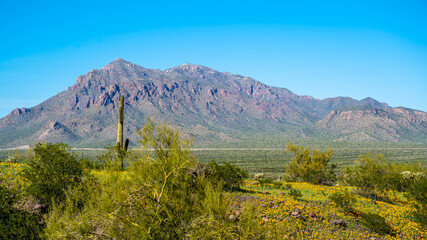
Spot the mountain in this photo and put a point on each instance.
(212, 106)
(367, 123)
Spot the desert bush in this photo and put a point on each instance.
(418, 193)
(51, 170)
(287, 186)
(158, 198)
(310, 166)
(213, 222)
(295, 193)
(344, 200)
(277, 184)
(266, 181)
(376, 223)
(402, 176)
(231, 176)
(14, 223)
(374, 175)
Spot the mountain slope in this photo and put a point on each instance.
(211, 105)
(374, 124)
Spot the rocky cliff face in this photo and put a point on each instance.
(211, 105)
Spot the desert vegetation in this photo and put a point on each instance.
(163, 192)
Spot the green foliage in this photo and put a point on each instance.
(249, 225)
(418, 192)
(373, 174)
(267, 181)
(14, 223)
(230, 175)
(287, 186)
(114, 159)
(402, 176)
(73, 217)
(310, 166)
(213, 222)
(368, 173)
(295, 193)
(376, 223)
(344, 200)
(158, 198)
(51, 170)
(277, 184)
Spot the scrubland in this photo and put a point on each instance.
(53, 193)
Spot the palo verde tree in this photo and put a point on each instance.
(310, 165)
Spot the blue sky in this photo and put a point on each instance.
(318, 48)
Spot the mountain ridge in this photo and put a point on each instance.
(203, 102)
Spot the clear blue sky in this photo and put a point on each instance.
(318, 48)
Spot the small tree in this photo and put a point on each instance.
(310, 165)
(368, 173)
(51, 170)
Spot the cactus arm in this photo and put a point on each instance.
(126, 144)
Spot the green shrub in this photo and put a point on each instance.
(14, 223)
(51, 170)
(263, 182)
(376, 223)
(277, 184)
(295, 193)
(310, 166)
(344, 200)
(418, 192)
(229, 174)
(266, 181)
(402, 176)
(374, 176)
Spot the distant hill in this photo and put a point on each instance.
(374, 124)
(212, 106)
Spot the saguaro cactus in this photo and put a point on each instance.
(120, 127)
(121, 149)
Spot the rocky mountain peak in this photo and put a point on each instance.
(372, 102)
(226, 105)
(116, 71)
(119, 63)
(188, 68)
